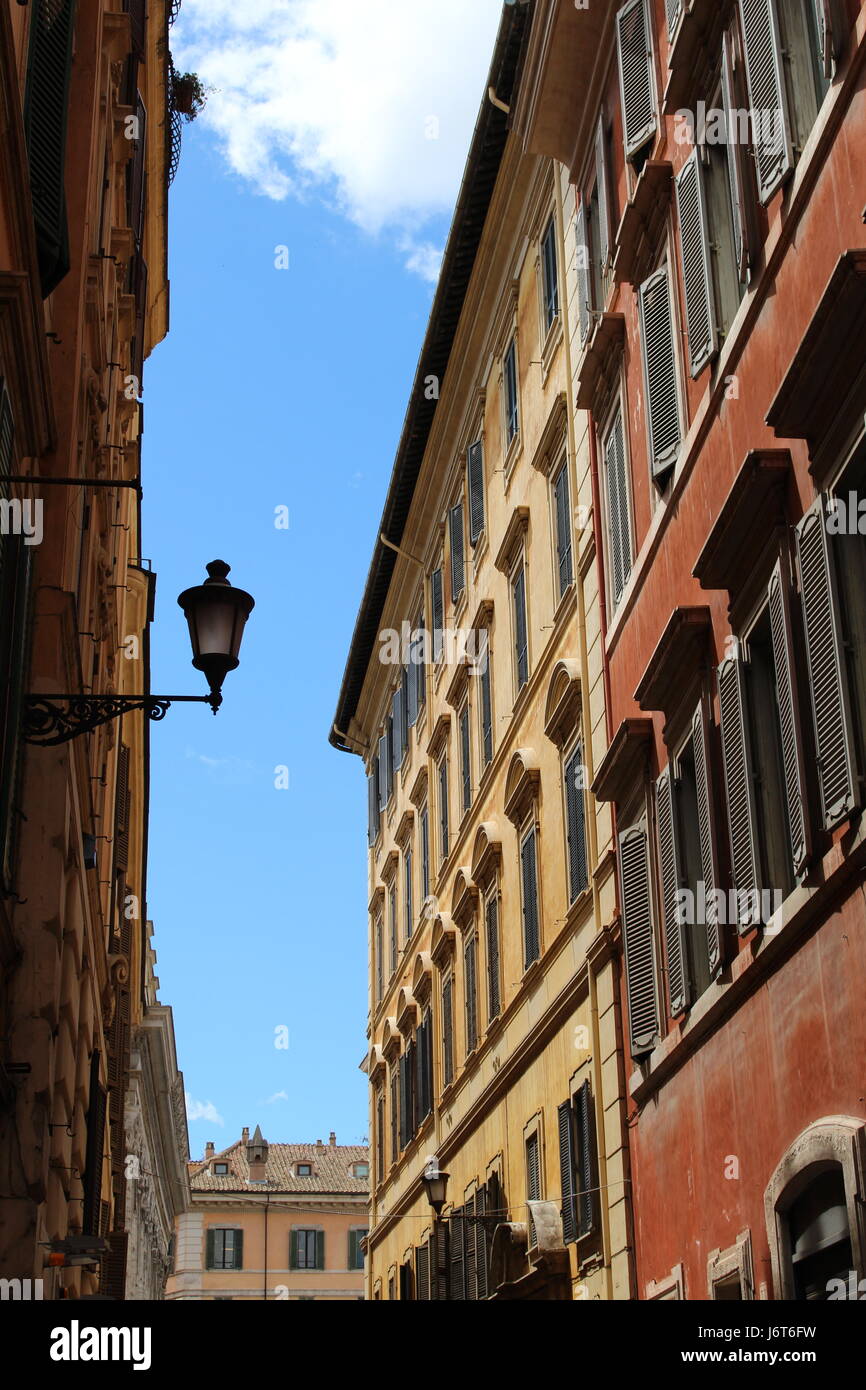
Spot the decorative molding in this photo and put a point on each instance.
(521, 785)
(626, 761)
(486, 854)
(562, 711)
(551, 446)
(752, 509)
(642, 221)
(512, 540)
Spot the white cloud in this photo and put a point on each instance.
(367, 104)
(202, 1110)
(278, 1095)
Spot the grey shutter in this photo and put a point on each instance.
(94, 1151)
(238, 1250)
(458, 570)
(679, 985)
(585, 1132)
(383, 762)
(456, 1237)
(320, 1250)
(567, 1173)
(584, 294)
(493, 993)
(575, 816)
(15, 634)
(438, 611)
(482, 1243)
(475, 484)
(639, 938)
(739, 786)
(448, 1031)
(605, 227)
(617, 508)
(373, 803)
(637, 88)
(660, 371)
(293, 1250)
(486, 708)
(410, 689)
(830, 27)
(789, 716)
(521, 650)
(767, 96)
(422, 1272)
(397, 726)
(697, 275)
(46, 111)
(209, 1250)
(736, 169)
(531, 942)
(471, 996)
(837, 770)
(707, 833)
(674, 9)
(465, 760)
(563, 530)
(439, 1255)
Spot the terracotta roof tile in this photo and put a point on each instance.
(331, 1164)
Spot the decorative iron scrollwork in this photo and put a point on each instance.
(49, 721)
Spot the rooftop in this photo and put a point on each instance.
(331, 1165)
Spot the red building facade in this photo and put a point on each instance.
(718, 153)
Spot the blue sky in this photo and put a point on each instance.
(286, 388)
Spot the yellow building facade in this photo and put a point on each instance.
(474, 693)
(284, 1222)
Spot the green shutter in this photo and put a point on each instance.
(293, 1250)
(209, 1256)
(46, 109)
(238, 1262)
(566, 1173)
(320, 1250)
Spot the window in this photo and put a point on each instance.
(475, 489)
(408, 901)
(575, 823)
(470, 987)
(447, 1030)
(549, 278)
(658, 346)
(374, 814)
(379, 951)
(307, 1249)
(806, 81)
(443, 810)
(521, 637)
(408, 1095)
(765, 738)
(397, 726)
(577, 1163)
(45, 120)
(395, 1112)
(424, 1061)
(224, 1248)
(533, 1177)
(529, 893)
(304, 1170)
(562, 516)
(380, 1136)
(486, 703)
(437, 605)
(419, 664)
(221, 1170)
(392, 925)
(639, 937)
(458, 565)
(424, 820)
(594, 235)
(512, 410)
(356, 1254)
(491, 918)
(465, 760)
(637, 82)
(616, 488)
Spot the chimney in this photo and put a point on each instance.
(257, 1157)
(332, 1140)
(245, 1135)
(208, 1149)
(319, 1145)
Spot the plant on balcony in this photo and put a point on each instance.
(189, 94)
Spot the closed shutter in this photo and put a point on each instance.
(486, 708)
(789, 716)
(471, 996)
(837, 770)
(94, 1150)
(575, 814)
(567, 1173)
(475, 482)
(831, 32)
(121, 811)
(521, 649)
(422, 1272)
(112, 1269)
(470, 1252)
(674, 9)
(46, 110)
(412, 1096)
(209, 1250)
(320, 1249)
(767, 95)
(410, 695)
(697, 276)
(640, 953)
(421, 661)
(448, 1031)
(404, 713)
(619, 525)
(482, 1244)
(493, 991)
(533, 1169)
(660, 371)
(465, 760)
(397, 728)
(439, 1262)
(383, 765)
(136, 11)
(438, 612)
(584, 1120)
(458, 572)
(531, 942)
(456, 1238)
(584, 292)
(373, 803)
(707, 833)
(679, 986)
(563, 529)
(401, 1063)
(135, 177)
(737, 177)
(637, 88)
(739, 786)
(605, 227)
(15, 632)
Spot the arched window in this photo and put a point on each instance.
(819, 1235)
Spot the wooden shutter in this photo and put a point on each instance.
(637, 88)
(796, 793)
(397, 725)
(679, 985)
(320, 1249)
(458, 573)
(456, 1238)
(737, 177)
(674, 9)
(121, 810)
(830, 25)
(563, 529)
(136, 11)
(707, 832)
(767, 95)
(475, 485)
(448, 1030)
(112, 1269)
(639, 938)
(837, 769)
(410, 697)
(605, 224)
(136, 176)
(575, 815)
(46, 110)
(584, 1122)
(15, 631)
(567, 1173)
(209, 1250)
(404, 712)
(697, 275)
(382, 765)
(94, 1151)
(422, 1272)
(584, 291)
(373, 803)
(660, 371)
(438, 611)
(739, 786)
(471, 986)
(486, 709)
(521, 647)
(439, 1262)
(493, 991)
(529, 867)
(619, 526)
(482, 1245)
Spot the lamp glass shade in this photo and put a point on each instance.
(217, 614)
(435, 1184)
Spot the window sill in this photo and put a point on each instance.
(479, 550)
(512, 454)
(552, 341)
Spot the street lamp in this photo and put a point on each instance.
(435, 1184)
(216, 613)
